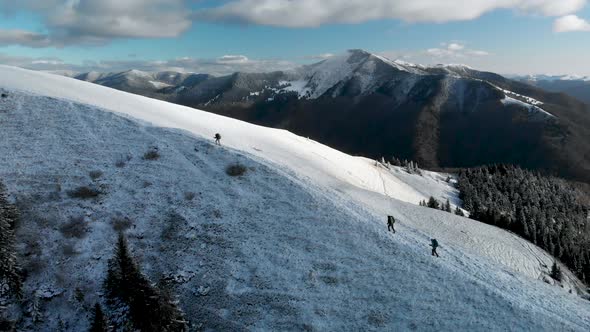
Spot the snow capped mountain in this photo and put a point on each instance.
(297, 243)
(92, 76)
(369, 69)
(361, 73)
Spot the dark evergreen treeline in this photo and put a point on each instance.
(10, 279)
(545, 210)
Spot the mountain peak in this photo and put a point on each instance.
(136, 72)
(358, 51)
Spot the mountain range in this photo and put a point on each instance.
(577, 86)
(364, 104)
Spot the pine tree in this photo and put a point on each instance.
(35, 310)
(556, 272)
(149, 308)
(99, 322)
(447, 207)
(433, 203)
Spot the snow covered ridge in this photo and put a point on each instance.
(372, 71)
(531, 104)
(299, 242)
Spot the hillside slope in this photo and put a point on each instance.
(298, 243)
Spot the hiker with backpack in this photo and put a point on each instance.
(217, 138)
(434, 245)
(390, 222)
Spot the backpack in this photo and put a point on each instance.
(217, 136)
(434, 243)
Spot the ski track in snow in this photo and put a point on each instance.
(298, 243)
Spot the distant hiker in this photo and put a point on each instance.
(217, 139)
(434, 245)
(390, 222)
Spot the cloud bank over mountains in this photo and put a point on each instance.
(223, 65)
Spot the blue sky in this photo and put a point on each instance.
(505, 36)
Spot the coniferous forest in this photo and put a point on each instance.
(545, 210)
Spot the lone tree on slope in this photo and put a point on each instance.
(150, 309)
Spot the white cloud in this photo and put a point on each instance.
(322, 56)
(454, 50)
(455, 47)
(477, 53)
(21, 37)
(233, 59)
(96, 22)
(570, 23)
(311, 13)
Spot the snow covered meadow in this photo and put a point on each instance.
(298, 242)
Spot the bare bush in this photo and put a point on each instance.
(189, 195)
(68, 250)
(122, 162)
(152, 154)
(236, 170)
(95, 175)
(121, 224)
(84, 192)
(75, 228)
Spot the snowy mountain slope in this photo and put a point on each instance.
(298, 243)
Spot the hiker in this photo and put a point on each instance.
(217, 139)
(390, 222)
(434, 245)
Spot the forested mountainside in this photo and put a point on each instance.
(547, 211)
